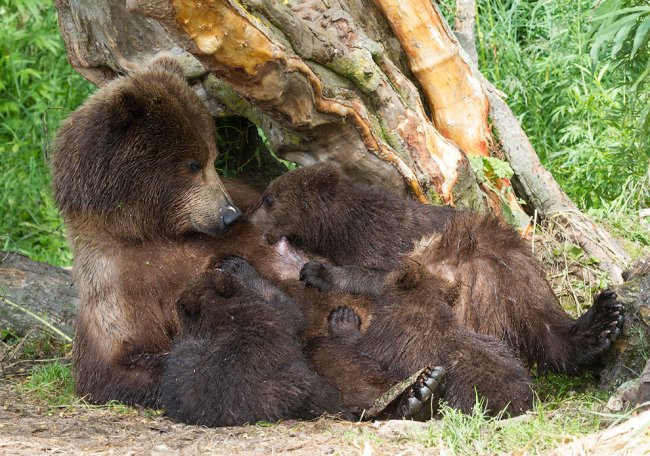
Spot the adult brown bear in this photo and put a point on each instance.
(502, 291)
(134, 177)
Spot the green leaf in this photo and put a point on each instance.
(641, 37)
(574, 252)
(500, 168)
(476, 162)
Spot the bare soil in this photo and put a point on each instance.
(29, 426)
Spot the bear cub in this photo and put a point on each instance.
(412, 326)
(238, 359)
(368, 233)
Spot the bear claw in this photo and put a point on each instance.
(602, 323)
(420, 401)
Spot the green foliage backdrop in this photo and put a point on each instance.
(584, 115)
(38, 89)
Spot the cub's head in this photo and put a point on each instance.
(299, 204)
(203, 299)
(137, 160)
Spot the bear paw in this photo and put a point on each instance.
(344, 322)
(316, 275)
(608, 318)
(420, 401)
(602, 323)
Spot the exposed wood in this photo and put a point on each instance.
(45, 290)
(454, 93)
(455, 96)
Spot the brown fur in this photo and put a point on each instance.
(413, 326)
(501, 289)
(318, 209)
(134, 177)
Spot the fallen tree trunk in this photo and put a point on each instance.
(34, 294)
(381, 87)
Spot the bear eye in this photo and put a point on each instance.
(267, 201)
(194, 166)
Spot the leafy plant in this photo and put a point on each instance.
(624, 27)
(576, 113)
(38, 88)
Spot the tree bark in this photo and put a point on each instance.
(382, 87)
(41, 292)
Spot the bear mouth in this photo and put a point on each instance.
(214, 228)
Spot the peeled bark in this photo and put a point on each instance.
(336, 80)
(454, 93)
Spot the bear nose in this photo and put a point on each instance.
(230, 215)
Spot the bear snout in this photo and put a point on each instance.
(230, 215)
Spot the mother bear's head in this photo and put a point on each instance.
(137, 160)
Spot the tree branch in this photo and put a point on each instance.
(538, 186)
(464, 26)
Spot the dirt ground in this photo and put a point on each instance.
(28, 427)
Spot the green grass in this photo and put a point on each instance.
(577, 112)
(551, 423)
(38, 88)
(53, 384)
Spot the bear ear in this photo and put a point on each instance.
(325, 179)
(225, 285)
(188, 306)
(127, 106)
(190, 301)
(167, 63)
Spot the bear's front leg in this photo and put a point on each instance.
(347, 279)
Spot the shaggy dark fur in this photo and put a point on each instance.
(361, 379)
(320, 210)
(414, 326)
(239, 359)
(502, 291)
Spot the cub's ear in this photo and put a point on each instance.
(167, 63)
(198, 290)
(224, 284)
(324, 179)
(409, 276)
